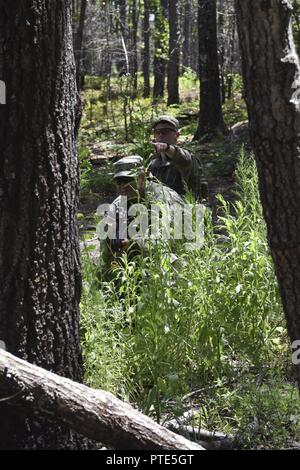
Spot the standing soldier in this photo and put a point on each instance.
(175, 167)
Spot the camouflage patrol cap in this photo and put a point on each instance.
(128, 167)
(168, 119)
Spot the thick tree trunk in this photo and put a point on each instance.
(39, 252)
(146, 52)
(160, 52)
(94, 413)
(271, 74)
(211, 120)
(173, 64)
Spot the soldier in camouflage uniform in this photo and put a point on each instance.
(133, 187)
(175, 167)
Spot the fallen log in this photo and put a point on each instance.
(96, 414)
(210, 440)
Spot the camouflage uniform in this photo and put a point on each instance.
(174, 174)
(155, 193)
(182, 171)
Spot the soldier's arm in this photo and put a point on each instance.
(181, 158)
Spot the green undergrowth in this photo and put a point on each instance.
(211, 320)
(206, 331)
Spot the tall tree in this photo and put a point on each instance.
(133, 48)
(146, 51)
(194, 37)
(271, 72)
(232, 47)
(221, 47)
(40, 275)
(186, 34)
(211, 120)
(123, 63)
(160, 48)
(173, 63)
(79, 42)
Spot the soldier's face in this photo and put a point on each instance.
(126, 187)
(164, 133)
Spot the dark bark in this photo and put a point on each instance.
(160, 49)
(232, 52)
(94, 413)
(271, 76)
(211, 120)
(173, 63)
(186, 34)
(78, 44)
(146, 52)
(40, 274)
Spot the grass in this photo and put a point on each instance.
(261, 416)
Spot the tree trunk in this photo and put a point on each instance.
(211, 120)
(173, 64)
(221, 39)
(146, 52)
(271, 75)
(123, 62)
(160, 52)
(194, 38)
(232, 52)
(133, 51)
(186, 34)
(40, 275)
(78, 44)
(94, 413)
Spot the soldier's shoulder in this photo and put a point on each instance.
(154, 161)
(172, 195)
(161, 192)
(183, 148)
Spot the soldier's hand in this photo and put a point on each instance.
(160, 147)
(118, 245)
(125, 243)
